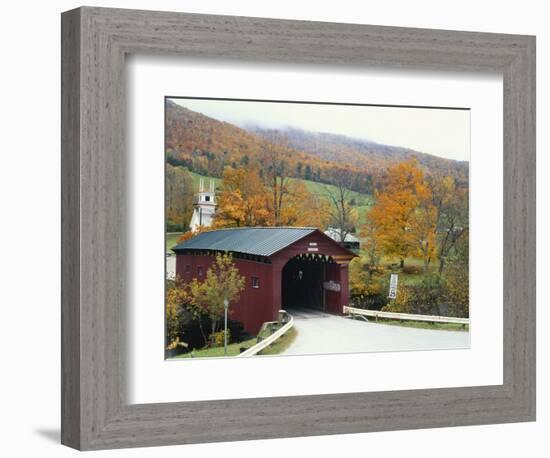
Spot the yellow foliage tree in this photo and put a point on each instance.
(423, 224)
(404, 217)
(176, 296)
(246, 200)
(243, 200)
(190, 234)
(302, 208)
(223, 282)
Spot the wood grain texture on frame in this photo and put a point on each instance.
(95, 41)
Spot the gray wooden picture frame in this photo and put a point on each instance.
(95, 412)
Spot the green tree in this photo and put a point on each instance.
(451, 204)
(179, 198)
(222, 281)
(457, 278)
(307, 173)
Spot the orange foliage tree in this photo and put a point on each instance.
(243, 200)
(190, 234)
(302, 208)
(404, 217)
(247, 200)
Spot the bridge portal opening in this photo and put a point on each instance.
(303, 279)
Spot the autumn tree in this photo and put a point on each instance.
(303, 208)
(451, 204)
(275, 160)
(222, 281)
(371, 250)
(176, 296)
(179, 198)
(403, 216)
(243, 200)
(422, 229)
(457, 277)
(343, 216)
(190, 234)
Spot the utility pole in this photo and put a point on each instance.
(225, 306)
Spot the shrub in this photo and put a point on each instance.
(217, 338)
(423, 299)
(457, 292)
(413, 270)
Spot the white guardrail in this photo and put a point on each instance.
(269, 340)
(405, 316)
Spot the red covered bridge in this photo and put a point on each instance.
(284, 267)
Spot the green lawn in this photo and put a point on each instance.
(277, 347)
(196, 179)
(363, 202)
(413, 273)
(423, 324)
(171, 240)
(322, 189)
(281, 344)
(232, 350)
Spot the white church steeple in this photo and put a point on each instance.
(205, 206)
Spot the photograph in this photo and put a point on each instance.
(275, 229)
(300, 228)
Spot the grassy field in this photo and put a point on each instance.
(171, 240)
(280, 344)
(424, 325)
(363, 202)
(196, 178)
(234, 349)
(413, 272)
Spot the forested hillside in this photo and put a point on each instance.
(205, 145)
(365, 154)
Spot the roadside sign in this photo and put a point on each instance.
(393, 286)
(331, 286)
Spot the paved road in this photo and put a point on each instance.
(320, 332)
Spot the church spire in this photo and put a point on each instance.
(205, 205)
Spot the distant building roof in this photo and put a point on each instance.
(334, 234)
(260, 241)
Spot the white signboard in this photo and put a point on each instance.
(393, 286)
(331, 286)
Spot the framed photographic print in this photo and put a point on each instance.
(288, 224)
(282, 228)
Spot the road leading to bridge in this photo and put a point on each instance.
(320, 332)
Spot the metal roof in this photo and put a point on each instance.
(260, 241)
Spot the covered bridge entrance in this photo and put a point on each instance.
(284, 267)
(305, 280)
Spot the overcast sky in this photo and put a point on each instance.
(441, 132)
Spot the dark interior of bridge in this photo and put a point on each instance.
(302, 284)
